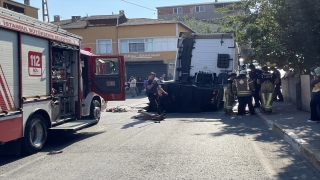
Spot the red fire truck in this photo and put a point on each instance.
(48, 84)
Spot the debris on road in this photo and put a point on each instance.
(55, 152)
(148, 116)
(116, 109)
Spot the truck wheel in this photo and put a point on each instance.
(35, 134)
(218, 102)
(95, 110)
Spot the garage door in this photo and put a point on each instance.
(143, 69)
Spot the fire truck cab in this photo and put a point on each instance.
(47, 83)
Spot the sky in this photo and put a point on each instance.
(68, 8)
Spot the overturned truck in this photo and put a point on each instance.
(203, 65)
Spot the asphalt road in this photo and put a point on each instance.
(184, 146)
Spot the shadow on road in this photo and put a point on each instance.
(136, 122)
(55, 141)
(255, 129)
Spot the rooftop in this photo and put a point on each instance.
(82, 22)
(146, 21)
(197, 4)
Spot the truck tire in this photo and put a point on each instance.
(218, 103)
(95, 110)
(35, 134)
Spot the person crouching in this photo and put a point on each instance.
(152, 93)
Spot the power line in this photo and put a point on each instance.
(148, 8)
(138, 5)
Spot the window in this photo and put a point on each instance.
(107, 66)
(13, 8)
(199, 8)
(177, 10)
(165, 44)
(136, 45)
(104, 46)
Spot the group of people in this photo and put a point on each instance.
(262, 85)
(135, 86)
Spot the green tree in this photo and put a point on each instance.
(195, 24)
(284, 32)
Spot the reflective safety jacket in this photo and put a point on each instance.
(315, 85)
(243, 86)
(267, 76)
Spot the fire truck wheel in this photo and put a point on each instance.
(35, 134)
(95, 110)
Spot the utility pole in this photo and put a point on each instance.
(45, 10)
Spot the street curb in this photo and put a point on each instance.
(298, 144)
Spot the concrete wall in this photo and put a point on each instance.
(289, 90)
(91, 34)
(305, 92)
(297, 91)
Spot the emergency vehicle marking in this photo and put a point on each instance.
(35, 31)
(34, 63)
(6, 96)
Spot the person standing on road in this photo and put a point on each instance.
(267, 81)
(133, 84)
(243, 87)
(315, 97)
(229, 97)
(277, 90)
(152, 93)
(140, 85)
(254, 73)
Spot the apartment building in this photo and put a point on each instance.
(147, 44)
(25, 8)
(201, 11)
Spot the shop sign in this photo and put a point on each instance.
(136, 56)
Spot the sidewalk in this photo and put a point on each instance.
(291, 124)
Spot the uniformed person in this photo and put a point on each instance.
(244, 88)
(315, 96)
(277, 90)
(254, 73)
(229, 97)
(152, 93)
(267, 81)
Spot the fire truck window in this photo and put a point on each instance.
(107, 66)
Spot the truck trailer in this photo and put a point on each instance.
(47, 83)
(202, 67)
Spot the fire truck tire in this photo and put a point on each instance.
(95, 110)
(35, 134)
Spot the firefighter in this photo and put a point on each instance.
(254, 73)
(244, 88)
(267, 81)
(229, 97)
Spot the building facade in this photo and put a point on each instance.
(201, 11)
(25, 8)
(147, 44)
